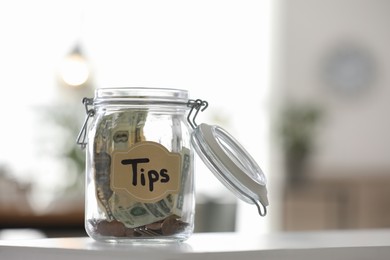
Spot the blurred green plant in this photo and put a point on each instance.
(297, 129)
(65, 124)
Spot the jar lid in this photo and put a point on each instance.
(231, 164)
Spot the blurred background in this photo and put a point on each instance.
(303, 85)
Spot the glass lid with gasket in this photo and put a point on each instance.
(228, 160)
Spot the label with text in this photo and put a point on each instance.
(147, 172)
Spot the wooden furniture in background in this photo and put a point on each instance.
(337, 203)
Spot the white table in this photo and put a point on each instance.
(363, 244)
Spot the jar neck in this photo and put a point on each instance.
(140, 97)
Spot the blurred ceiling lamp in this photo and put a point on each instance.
(74, 70)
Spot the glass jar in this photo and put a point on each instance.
(140, 164)
(139, 167)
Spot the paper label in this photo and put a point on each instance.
(147, 172)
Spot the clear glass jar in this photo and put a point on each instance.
(139, 167)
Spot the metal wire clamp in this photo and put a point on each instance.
(197, 105)
(83, 132)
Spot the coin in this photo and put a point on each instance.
(170, 226)
(113, 228)
(129, 232)
(154, 226)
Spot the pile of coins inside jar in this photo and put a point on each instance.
(121, 216)
(169, 226)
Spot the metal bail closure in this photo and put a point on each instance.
(231, 164)
(81, 138)
(197, 105)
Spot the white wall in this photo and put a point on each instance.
(354, 136)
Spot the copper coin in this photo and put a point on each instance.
(170, 226)
(154, 226)
(113, 228)
(129, 232)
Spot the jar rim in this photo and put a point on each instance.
(141, 95)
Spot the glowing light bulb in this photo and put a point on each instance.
(74, 70)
